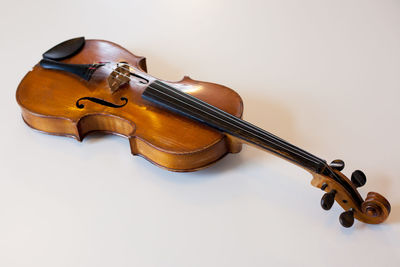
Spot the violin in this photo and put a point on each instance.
(83, 86)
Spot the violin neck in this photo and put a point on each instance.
(194, 108)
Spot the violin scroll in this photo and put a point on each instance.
(376, 206)
(373, 210)
(181, 126)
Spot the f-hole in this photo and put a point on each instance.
(101, 102)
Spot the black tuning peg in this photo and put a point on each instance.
(328, 199)
(337, 164)
(358, 178)
(346, 219)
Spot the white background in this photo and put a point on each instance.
(322, 74)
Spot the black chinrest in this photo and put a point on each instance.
(65, 49)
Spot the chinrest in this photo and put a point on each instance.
(65, 49)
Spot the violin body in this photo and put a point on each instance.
(48, 101)
(181, 126)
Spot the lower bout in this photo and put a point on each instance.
(183, 162)
(179, 162)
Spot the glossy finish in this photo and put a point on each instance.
(337, 164)
(358, 178)
(174, 100)
(60, 103)
(328, 199)
(84, 71)
(346, 219)
(48, 101)
(65, 49)
(374, 209)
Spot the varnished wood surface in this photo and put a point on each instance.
(321, 74)
(374, 209)
(48, 97)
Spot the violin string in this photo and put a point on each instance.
(119, 73)
(261, 131)
(302, 153)
(288, 145)
(242, 122)
(271, 136)
(114, 70)
(315, 160)
(230, 115)
(355, 196)
(243, 129)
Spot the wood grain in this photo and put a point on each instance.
(48, 101)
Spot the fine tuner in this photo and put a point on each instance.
(180, 126)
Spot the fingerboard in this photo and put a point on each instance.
(177, 101)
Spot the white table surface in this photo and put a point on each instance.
(323, 75)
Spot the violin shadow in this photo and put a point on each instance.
(95, 136)
(394, 216)
(227, 163)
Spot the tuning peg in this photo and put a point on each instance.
(337, 164)
(358, 178)
(324, 186)
(328, 199)
(346, 219)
